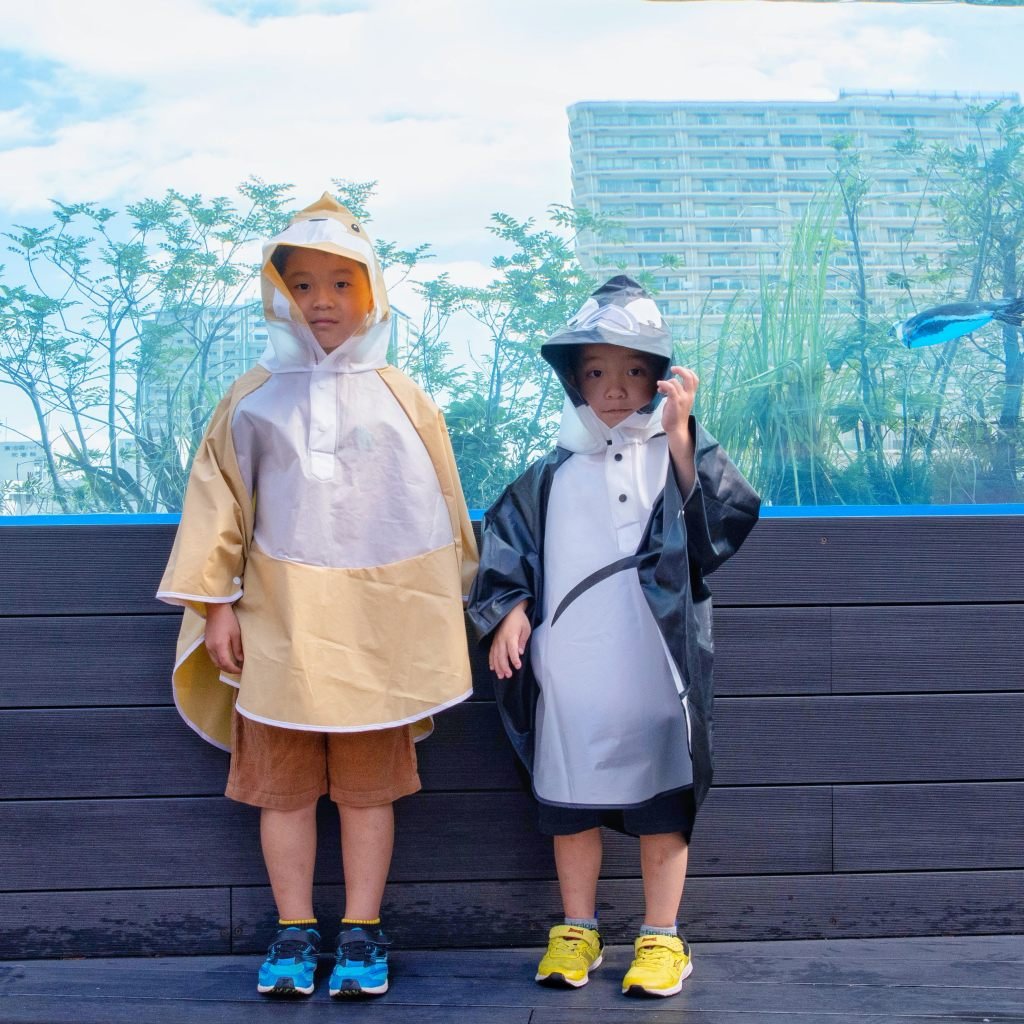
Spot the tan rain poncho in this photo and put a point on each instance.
(324, 502)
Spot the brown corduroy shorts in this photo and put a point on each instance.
(285, 769)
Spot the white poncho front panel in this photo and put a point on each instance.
(610, 730)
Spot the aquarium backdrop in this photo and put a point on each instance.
(825, 200)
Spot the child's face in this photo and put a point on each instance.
(332, 291)
(614, 381)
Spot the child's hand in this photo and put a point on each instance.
(509, 642)
(224, 638)
(679, 394)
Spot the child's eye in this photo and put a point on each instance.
(342, 284)
(300, 286)
(592, 374)
(637, 371)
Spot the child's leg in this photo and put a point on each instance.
(661, 958)
(578, 863)
(367, 840)
(574, 948)
(663, 860)
(289, 851)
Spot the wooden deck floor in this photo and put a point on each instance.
(872, 981)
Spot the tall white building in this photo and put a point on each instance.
(707, 192)
(21, 459)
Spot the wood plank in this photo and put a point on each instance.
(772, 651)
(148, 751)
(87, 660)
(90, 1007)
(503, 913)
(106, 752)
(928, 648)
(175, 841)
(463, 915)
(82, 569)
(494, 985)
(851, 739)
(812, 561)
(115, 922)
(875, 560)
(929, 827)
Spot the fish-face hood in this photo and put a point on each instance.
(619, 313)
(328, 226)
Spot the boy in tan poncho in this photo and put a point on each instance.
(322, 556)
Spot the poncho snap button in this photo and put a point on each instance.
(622, 497)
(618, 456)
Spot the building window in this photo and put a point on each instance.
(717, 210)
(655, 163)
(834, 118)
(649, 120)
(611, 141)
(759, 162)
(651, 141)
(795, 141)
(726, 235)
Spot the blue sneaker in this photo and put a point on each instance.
(360, 963)
(291, 963)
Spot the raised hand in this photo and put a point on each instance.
(679, 393)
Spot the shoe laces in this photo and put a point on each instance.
(655, 953)
(565, 945)
(291, 948)
(362, 950)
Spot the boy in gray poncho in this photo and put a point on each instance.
(596, 555)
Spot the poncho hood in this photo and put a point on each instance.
(328, 226)
(621, 313)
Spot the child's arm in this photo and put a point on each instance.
(509, 642)
(224, 638)
(679, 394)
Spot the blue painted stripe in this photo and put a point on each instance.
(881, 511)
(94, 519)
(476, 514)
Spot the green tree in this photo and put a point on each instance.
(110, 330)
(980, 194)
(509, 413)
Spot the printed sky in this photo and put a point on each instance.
(457, 107)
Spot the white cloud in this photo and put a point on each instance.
(457, 107)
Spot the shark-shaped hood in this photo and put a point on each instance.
(619, 313)
(328, 226)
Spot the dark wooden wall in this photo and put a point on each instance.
(869, 729)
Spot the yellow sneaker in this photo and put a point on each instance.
(660, 963)
(572, 954)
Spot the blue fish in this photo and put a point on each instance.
(944, 323)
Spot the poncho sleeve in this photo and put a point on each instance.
(511, 557)
(720, 510)
(207, 561)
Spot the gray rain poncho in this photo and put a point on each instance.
(612, 707)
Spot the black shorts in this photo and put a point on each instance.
(672, 812)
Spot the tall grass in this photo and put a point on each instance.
(770, 397)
